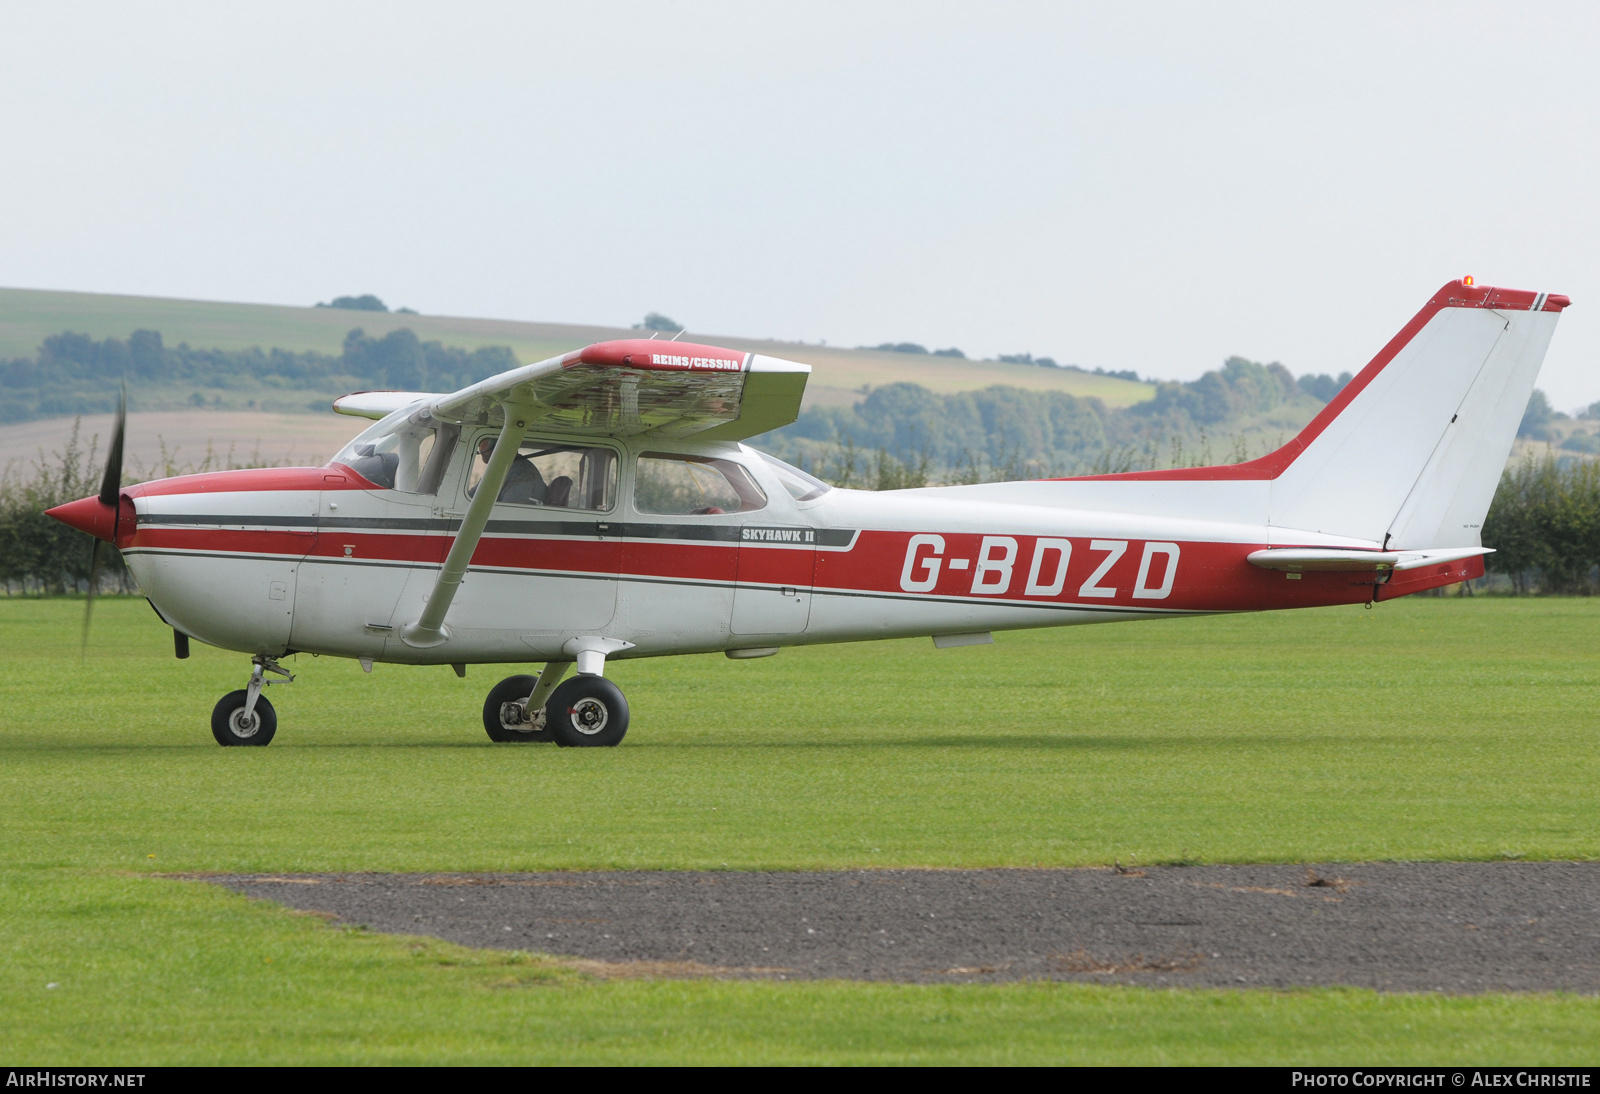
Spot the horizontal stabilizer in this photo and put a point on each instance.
(1338, 558)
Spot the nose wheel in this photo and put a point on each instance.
(233, 724)
(245, 717)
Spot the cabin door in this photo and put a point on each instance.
(773, 592)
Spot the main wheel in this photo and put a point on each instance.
(588, 712)
(505, 712)
(230, 727)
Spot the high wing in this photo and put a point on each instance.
(632, 386)
(623, 388)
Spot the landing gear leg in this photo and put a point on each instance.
(245, 717)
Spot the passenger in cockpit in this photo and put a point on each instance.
(524, 485)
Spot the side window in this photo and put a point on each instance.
(409, 455)
(555, 476)
(693, 486)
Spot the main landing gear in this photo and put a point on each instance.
(245, 717)
(587, 711)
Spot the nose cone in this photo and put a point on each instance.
(88, 515)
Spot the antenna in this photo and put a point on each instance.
(652, 337)
(675, 337)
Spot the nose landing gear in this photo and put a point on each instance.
(245, 717)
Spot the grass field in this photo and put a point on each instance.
(27, 316)
(1437, 728)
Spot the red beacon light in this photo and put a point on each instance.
(1467, 281)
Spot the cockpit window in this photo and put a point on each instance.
(693, 486)
(553, 475)
(407, 451)
(801, 486)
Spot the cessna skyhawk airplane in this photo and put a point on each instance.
(599, 505)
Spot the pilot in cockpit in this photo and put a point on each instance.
(523, 486)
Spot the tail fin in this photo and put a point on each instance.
(1410, 452)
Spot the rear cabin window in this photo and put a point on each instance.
(552, 475)
(682, 486)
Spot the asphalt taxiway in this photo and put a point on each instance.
(1392, 926)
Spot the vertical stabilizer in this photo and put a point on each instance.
(1410, 453)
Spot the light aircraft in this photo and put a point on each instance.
(600, 505)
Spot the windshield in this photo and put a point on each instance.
(407, 451)
(801, 486)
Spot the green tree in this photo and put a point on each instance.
(656, 321)
(365, 302)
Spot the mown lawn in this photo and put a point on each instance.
(1433, 728)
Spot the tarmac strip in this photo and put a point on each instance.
(1457, 927)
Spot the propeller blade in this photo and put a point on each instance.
(111, 483)
(88, 604)
(110, 496)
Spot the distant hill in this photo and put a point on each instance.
(937, 416)
(840, 377)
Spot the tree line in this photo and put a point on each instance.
(40, 556)
(72, 373)
(1009, 432)
(1544, 525)
(1545, 522)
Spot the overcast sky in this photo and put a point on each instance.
(1149, 186)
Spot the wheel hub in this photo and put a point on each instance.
(244, 726)
(589, 716)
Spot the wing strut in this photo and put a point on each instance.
(429, 629)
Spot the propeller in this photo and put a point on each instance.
(111, 497)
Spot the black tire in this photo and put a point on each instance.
(587, 712)
(500, 706)
(229, 728)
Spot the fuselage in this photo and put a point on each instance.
(325, 560)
